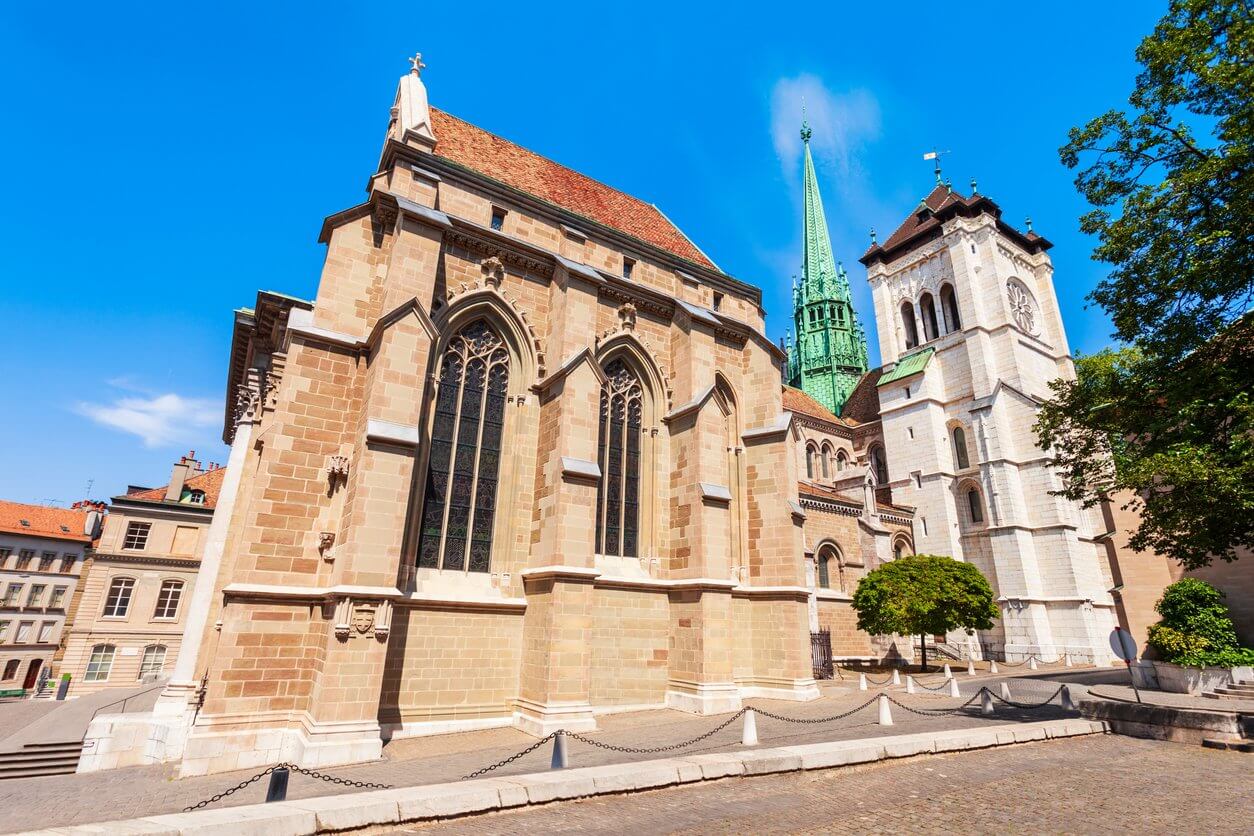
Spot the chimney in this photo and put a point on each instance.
(183, 468)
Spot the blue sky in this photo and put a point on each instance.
(160, 164)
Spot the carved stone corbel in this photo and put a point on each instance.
(493, 271)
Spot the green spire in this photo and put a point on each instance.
(829, 355)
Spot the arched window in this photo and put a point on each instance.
(824, 570)
(618, 454)
(11, 668)
(460, 502)
(829, 566)
(907, 322)
(949, 308)
(826, 459)
(118, 601)
(960, 449)
(811, 455)
(901, 548)
(100, 663)
(879, 465)
(1022, 306)
(842, 460)
(168, 599)
(975, 505)
(927, 310)
(153, 662)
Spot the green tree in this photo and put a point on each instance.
(1167, 419)
(1196, 628)
(924, 594)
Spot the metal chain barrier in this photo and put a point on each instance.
(941, 687)
(812, 720)
(511, 758)
(1024, 662)
(935, 712)
(1015, 704)
(884, 681)
(330, 779)
(671, 747)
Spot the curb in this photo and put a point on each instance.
(438, 801)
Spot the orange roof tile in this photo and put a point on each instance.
(798, 401)
(210, 481)
(502, 160)
(863, 405)
(44, 522)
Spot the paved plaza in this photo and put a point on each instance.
(1095, 784)
(139, 791)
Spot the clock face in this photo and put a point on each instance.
(1022, 306)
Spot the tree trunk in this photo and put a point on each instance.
(923, 650)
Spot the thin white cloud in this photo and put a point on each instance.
(841, 123)
(159, 420)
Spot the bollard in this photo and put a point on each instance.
(1065, 696)
(886, 716)
(560, 758)
(947, 671)
(1066, 659)
(749, 736)
(861, 682)
(1005, 690)
(986, 701)
(896, 677)
(953, 687)
(909, 684)
(277, 791)
(970, 667)
(992, 666)
(1032, 662)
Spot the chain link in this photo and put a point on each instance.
(941, 687)
(511, 758)
(671, 747)
(1014, 704)
(330, 779)
(812, 720)
(935, 712)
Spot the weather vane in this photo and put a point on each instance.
(935, 156)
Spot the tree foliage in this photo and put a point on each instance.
(924, 594)
(1196, 628)
(1167, 419)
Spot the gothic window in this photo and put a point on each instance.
(842, 461)
(829, 565)
(811, 454)
(460, 502)
(949, 308)
(1022, 306)
(826, 461)
(879, 465)
(927, 310)
(618, 454)
(975, 505)
(907, 322)
(825, 572)
(899, 551)
(961, 461)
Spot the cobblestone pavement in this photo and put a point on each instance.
(140, 791)
(1098, 784)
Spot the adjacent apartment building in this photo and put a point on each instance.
(41, 559)
(131, 611)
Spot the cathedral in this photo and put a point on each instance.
(528, 457)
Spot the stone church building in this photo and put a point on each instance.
(527, 458)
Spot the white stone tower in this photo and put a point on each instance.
(970, 334)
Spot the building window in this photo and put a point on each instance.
(718, 301)
(45, 631)
(811, 455)
(907, 323)
(825, 572)
(10, 669)
(1022, 306)
(4, 631)
(629, 264)
(24, 558)
(498, 218)
(4, 556)
(58, 598)
(193, 497)
(842, 461)
(136, 535)
(118, 602)
(100, 663)
(961, 461)
(949, 308)
(45, 561)
(152, 663)
(618, 454)
(977, 507)
(12, 593)
(23, 632)
(827, 561)
(67, 563)
(168, 599)
(927, 310)
(36, 594)
(899, 551)
(824, 459)
(879, 465)
(466, 436)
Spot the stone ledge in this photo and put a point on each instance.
(411, 804)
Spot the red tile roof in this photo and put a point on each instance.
(44, 522)
(798, 401)
(476, 149)
(863, 405)
(210, 481)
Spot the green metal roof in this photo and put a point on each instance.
(908, 365)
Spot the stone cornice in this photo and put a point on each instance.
(147, 560)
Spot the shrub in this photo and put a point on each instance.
(1195, 628)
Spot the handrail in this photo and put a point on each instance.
(124, 701)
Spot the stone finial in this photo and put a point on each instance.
(873, 241)
(974, 187)
(416, 63)
(411, 112)
(1028, 221)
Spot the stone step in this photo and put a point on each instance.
(1225, 694)
(36, 759)
(1230, 745)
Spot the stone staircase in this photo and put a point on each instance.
(38, 759)
(1235, 691)
(1243, 691)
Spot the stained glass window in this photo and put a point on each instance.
(618, 454)
(465, 456)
